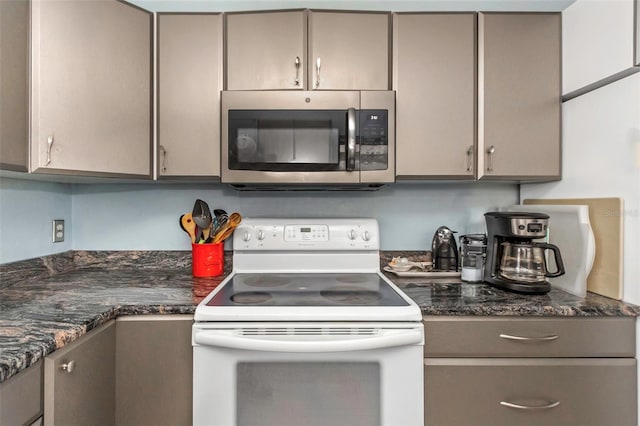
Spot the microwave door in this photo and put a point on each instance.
(292, 146)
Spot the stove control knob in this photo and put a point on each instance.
(351, 234)
(260, 235)
(366, 236)
(246, 236)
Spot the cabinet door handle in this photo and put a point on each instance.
(552, 404)
(49, 145)
(524, 338)
(163, 154)
(490, 152)
(470, 158)
(68, 366)
(318, 72)
(297, 81)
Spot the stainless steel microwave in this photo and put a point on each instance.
(312, 137)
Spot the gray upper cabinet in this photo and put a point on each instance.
(266, 50)
(79, 381)
(282, 50)
(91, 94)
(434, 76)
(14, 84)
(189, 84)
(349, 51)
(519, 96)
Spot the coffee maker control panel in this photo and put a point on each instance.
(529, 228)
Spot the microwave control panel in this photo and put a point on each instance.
(374, 139)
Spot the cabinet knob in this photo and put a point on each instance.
(490, 152)
(49, 145)
(525, 338)
(297, 80)
(68, 366)
(318, 72)
(163, 154)
(552, 404)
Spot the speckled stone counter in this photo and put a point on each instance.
(48, 302)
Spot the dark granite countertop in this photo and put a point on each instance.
(48, 302)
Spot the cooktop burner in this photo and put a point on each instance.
(266, 281)
(250, 297)
(351, 295)
(358, 289)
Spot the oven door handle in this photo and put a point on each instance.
(351, 140)
(388, 339)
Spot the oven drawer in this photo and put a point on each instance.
(542, 392)
(529, 337)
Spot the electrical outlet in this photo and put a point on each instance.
(58, 230)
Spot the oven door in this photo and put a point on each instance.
(308, 374)
(289, 137)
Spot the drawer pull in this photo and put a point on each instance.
(524, 338)
(548, 406)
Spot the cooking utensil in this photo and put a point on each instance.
(202, 217)
(188, 225)
(227, 229)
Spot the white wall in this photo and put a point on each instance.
(27, 209)
(601, 151)
(145, 217)
(597, 41)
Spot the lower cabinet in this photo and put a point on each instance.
(135, 370)
(530, 371)
(21, 397)
(154, 370)
(79, 384)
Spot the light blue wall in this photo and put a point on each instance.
(27, 209)
(145, 216)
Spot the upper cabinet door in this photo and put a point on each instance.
(434, 76)
(189, 85)
(91, 87)
(266, 50)
(519, 95)
(349, 51)
(14, 86)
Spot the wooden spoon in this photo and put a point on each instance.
(189, 226)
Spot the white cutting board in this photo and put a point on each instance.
(605, 215)
(570, 230)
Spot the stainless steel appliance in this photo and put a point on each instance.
(274, 138)
(514, 261)
(473, 249)
(306, 330)
(444, 250)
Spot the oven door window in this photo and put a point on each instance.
(287, 140)
(308, 393)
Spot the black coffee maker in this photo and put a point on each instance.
(514, 261)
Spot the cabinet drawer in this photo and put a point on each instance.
(575, 392)
(529, 337)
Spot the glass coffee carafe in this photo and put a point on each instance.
(526, 262)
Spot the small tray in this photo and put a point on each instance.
(428, 274)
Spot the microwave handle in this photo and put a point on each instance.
(351, 140)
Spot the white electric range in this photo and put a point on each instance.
(307, 330)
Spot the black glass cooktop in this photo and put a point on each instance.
(336, 289)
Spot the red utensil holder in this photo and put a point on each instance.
(207, 259)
